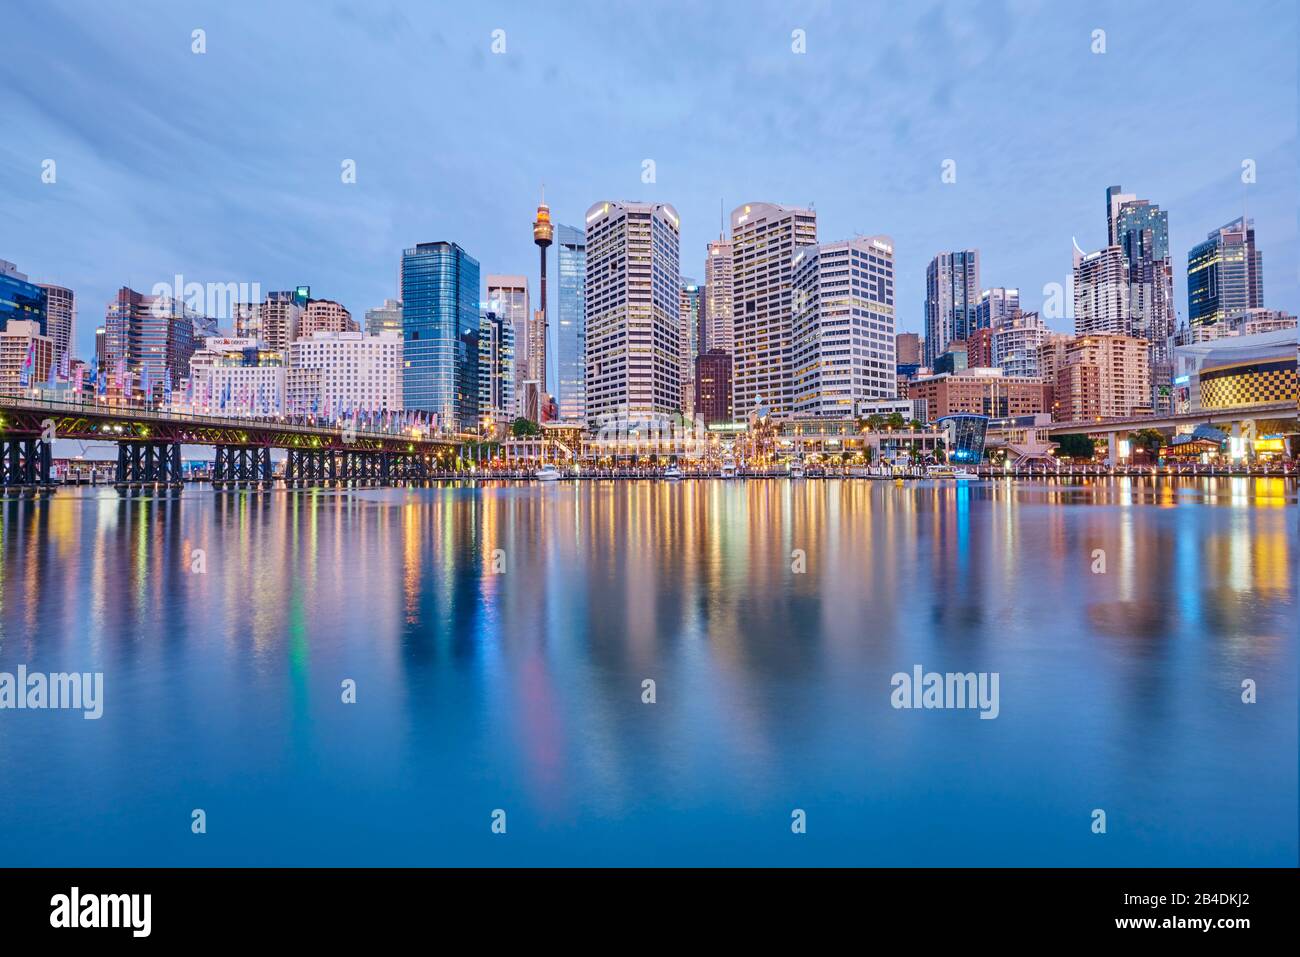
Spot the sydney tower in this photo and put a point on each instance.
(543, 234)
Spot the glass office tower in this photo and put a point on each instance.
(571, 327)
(440, 320)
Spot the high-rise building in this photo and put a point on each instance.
(385, 318)
(907, 348)
(1141, 229)
(713, 386)
(571, 323)
(979, 348)
(20, 300)
(325, 315)
(152, 337)
(1225, 274)
(689, 305)
(1115, 200)
(496, 370)
(1097, 376)
(26, 355)
(952, 296)
(508, 297)
(633, 275)
(842, 337)
(101, 349)
(719, 331)
(61, 317)
(275, 321)
(336, 374)
(1015, 344)
(996, 306)
(1101, 293)
(764, 240)
(440, 318)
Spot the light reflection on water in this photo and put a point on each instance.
(522, 690)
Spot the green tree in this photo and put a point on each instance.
(1082, 447)
(895, 420)
(522, 428)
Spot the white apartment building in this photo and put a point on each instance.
(842, 335)
(1101, 292)
(633, 287)
(236, 376)
(60, 317)
(21, 340)
(764, 239)
(1014, 344)
(331, 373)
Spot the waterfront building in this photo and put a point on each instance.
(952, 296)
(275, 321)
(1249, 322)
(764, 240)
(496, 370)
(20, 299)
(632, 303)
(1236, 371)
(440, 318)
(26, 355)
(713, 386)
(507, 296)
(964, 433)
(996, 305)
(60, 317)
(690, 303)
(232, 375)
(1097, 376)
(385, 318)
(980, 391)
(571, 323)
(336, 374)
(1101, 293)
(718, 327)
(1014, 345)
(152, 338)
(842, 334)
(325, 315)
(1225, 274)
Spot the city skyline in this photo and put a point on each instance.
(296, 222)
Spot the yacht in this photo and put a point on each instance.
(672, 473)
(796, 469)
(547, 473)
(728, 467)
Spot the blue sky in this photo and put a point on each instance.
(225, 166)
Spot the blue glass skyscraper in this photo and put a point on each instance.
(571, 329)
(440, 320)
(20, 300)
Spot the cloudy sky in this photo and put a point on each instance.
(225, 166)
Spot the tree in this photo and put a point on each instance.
(875, 422)
(522, 428)
(1077, 446)
(895, 420)
(1149, 441)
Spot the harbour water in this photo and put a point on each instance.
(500, 639)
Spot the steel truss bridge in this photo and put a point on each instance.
(149, 447)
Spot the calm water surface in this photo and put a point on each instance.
(522, 691)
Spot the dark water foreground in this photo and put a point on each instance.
(499, 638)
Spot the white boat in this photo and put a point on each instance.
(547, 473)
(796, 470)
(728, 467)
(948, 472)
(672, 473)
